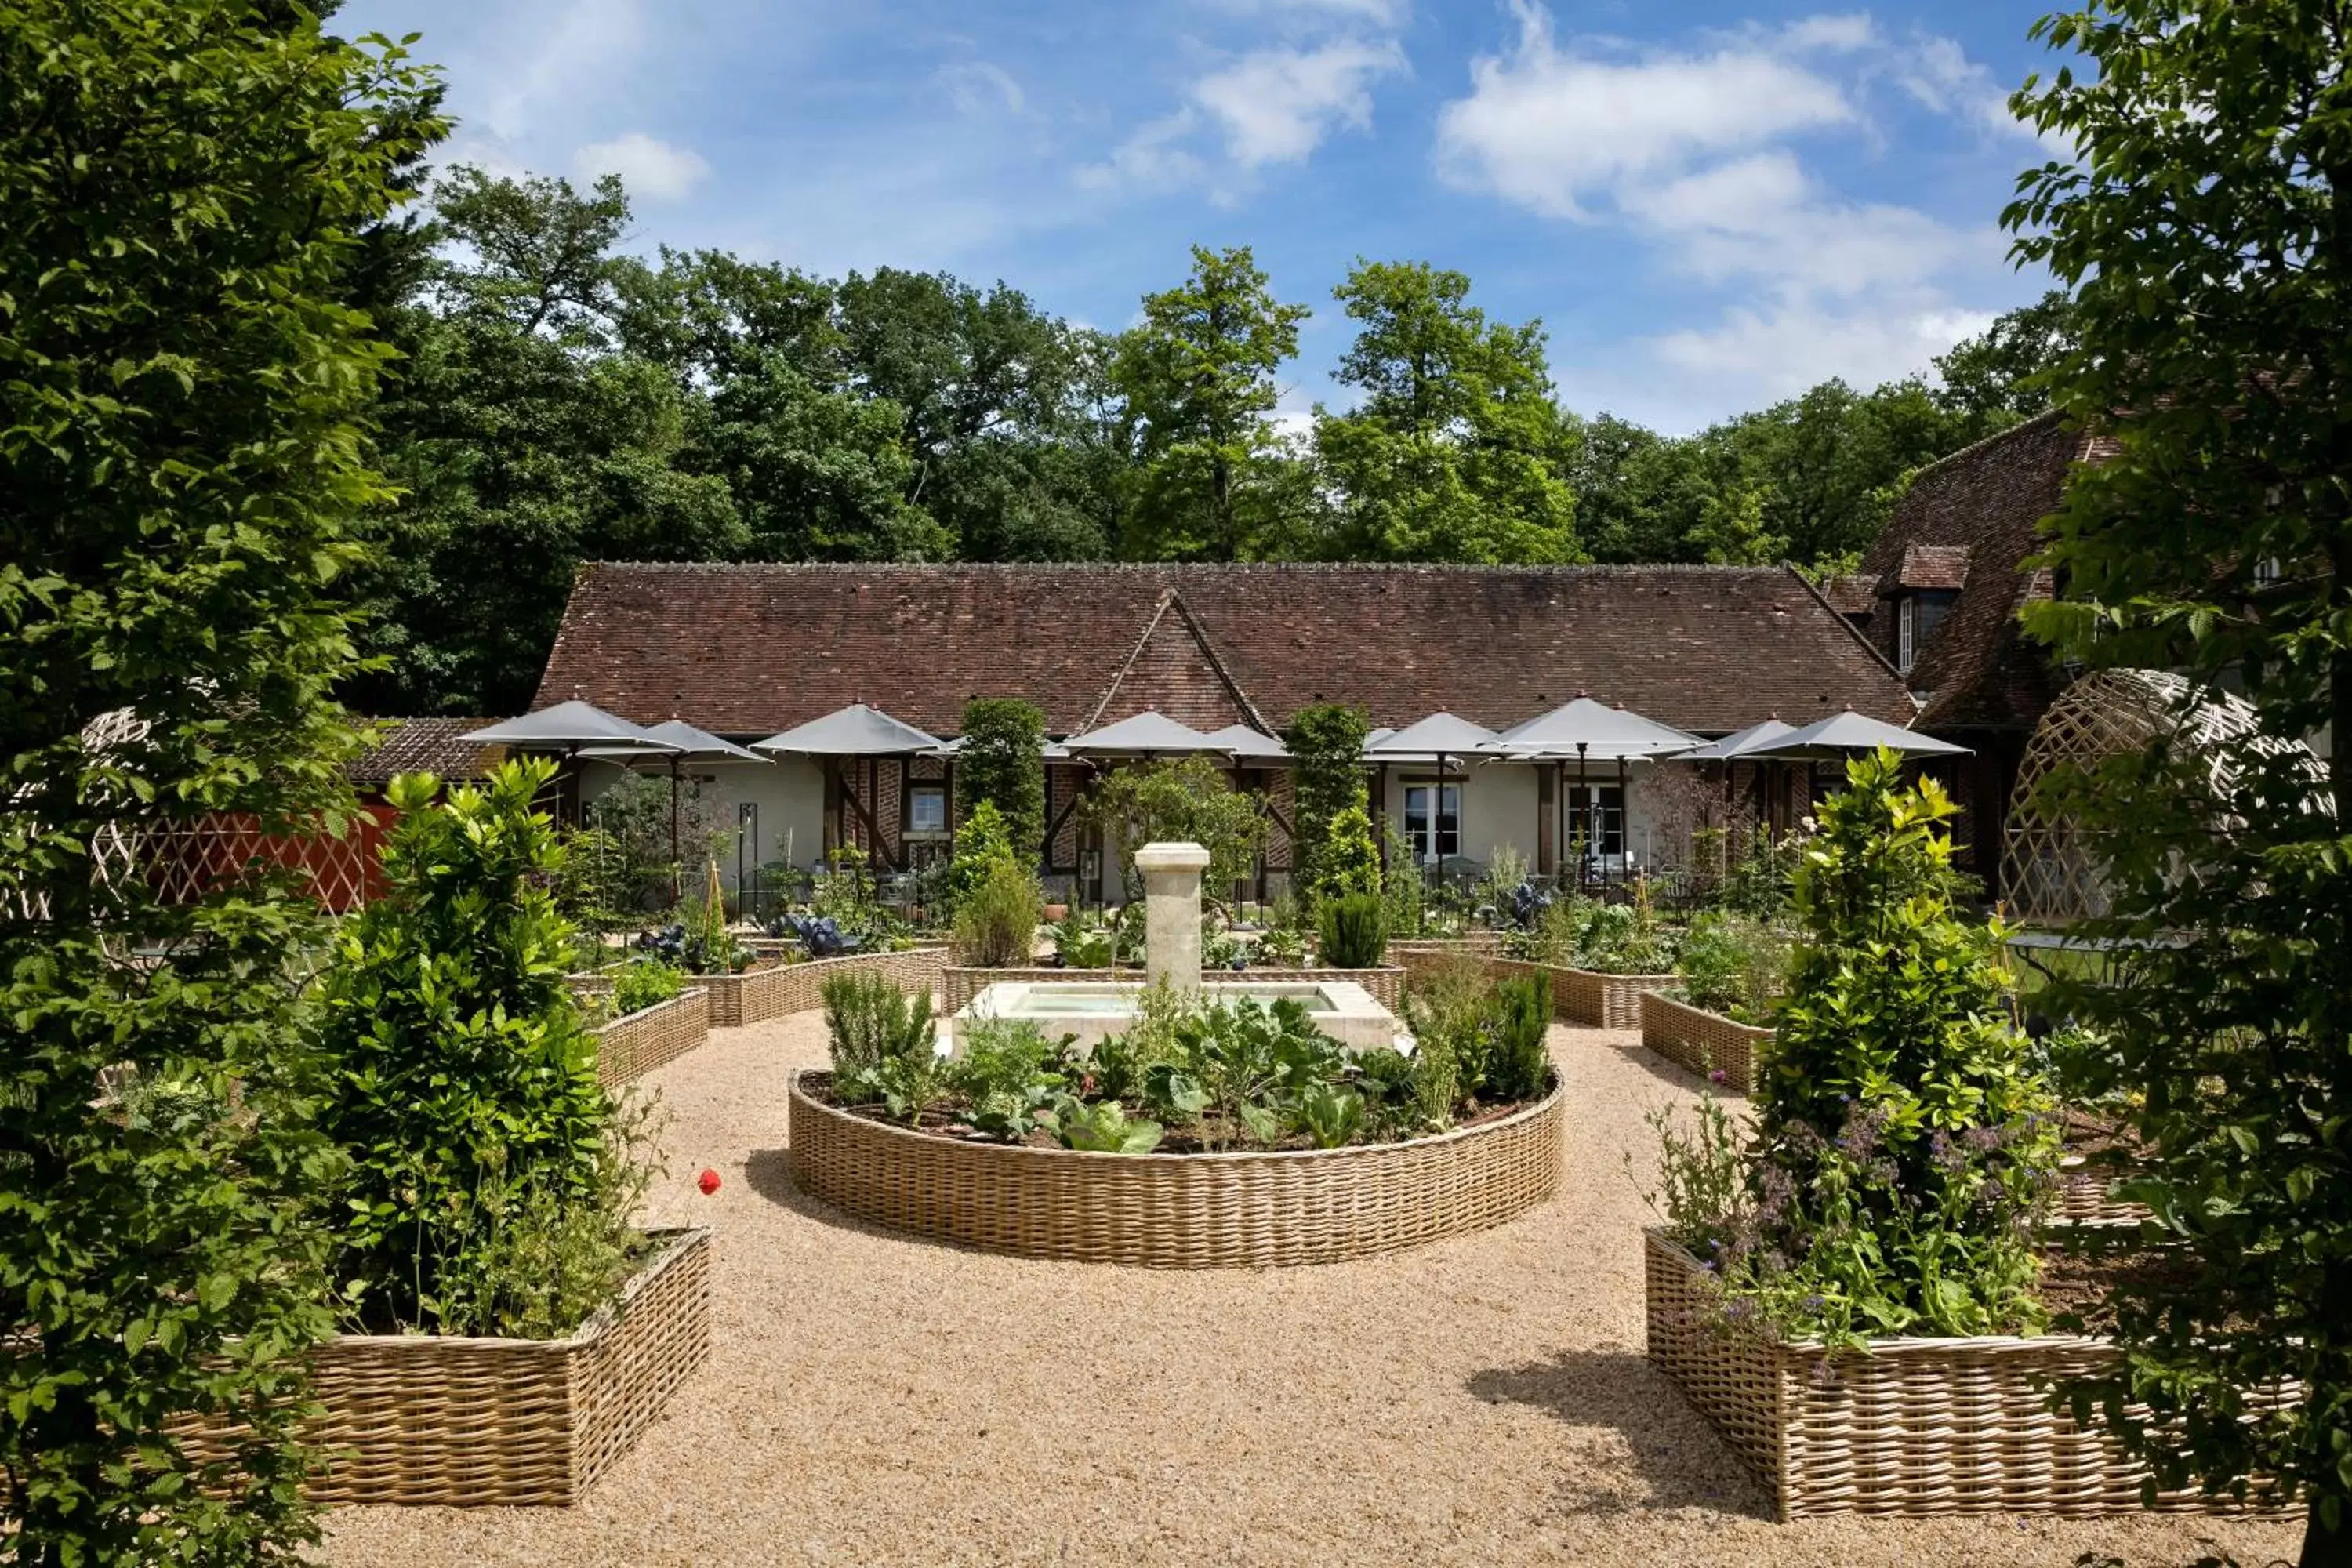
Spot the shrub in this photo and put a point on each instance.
(1519, 1060)
(1350, 862)
(884, 1048)
(1008, 1073)
(646, 983)
(982, 840)
(465, 1089)
(1354, 930)
(1579, 933)
(1326, 741)
(1905, 1147)
(996, 923)
(1181, 800)
(1000, 766)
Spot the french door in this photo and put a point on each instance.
(1432, 821)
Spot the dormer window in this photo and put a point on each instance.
(1917, 614)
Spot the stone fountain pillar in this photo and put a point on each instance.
(1172, 912)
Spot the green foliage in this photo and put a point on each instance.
(1454, 450)
(1348, 862)
(1905, 1146)
(1354, 931)
(1235, 1070)
(1734, 964)
(1102, 1127)
(1518, 1064)
(463, 1085)
(1001, 765)
(184, 189)
(2202, 226)
(982, 840)
(1579, 933)
(642, 984)
(996, 923)
(1478, 1042)
(1008, 1073)
(1183, 800)
(1326, 741)
(1081, 942)
(1331, 1117)
(1197, 376)
(1401, 886)
(884, 1049)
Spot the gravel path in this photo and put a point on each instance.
(1482, 1401)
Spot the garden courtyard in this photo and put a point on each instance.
(874, 1398)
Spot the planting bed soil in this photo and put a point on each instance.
(1482, 1402)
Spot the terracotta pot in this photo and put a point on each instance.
(1057, 911)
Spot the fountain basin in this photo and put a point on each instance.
(1094, 1011)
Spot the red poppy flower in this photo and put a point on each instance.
(708, 1182)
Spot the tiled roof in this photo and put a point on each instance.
(1856, 595)
(753, 649)
(1934, 566)
(423, 745)
(1983, 504)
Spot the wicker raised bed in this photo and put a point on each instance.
(1582, 996)
(628, 1048)
(1916, 1426)
(958, 985)
(761, 994)
(1179, 1211)
(467, 1422)
(1700, 1041)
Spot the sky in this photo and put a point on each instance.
(1710, 206)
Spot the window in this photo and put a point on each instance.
(1596, 818)
(1916, 617)
(1433, 839)
(927, 808)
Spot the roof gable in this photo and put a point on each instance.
(1174, 671)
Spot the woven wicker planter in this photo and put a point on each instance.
(958, 985)
(1582, 996)
(467, 1422)
(1917, 1426)
(626, 1048)
(1179, 1211)
(763, 994)
(1702, 1042)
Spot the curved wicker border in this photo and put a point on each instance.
(1180, 1210)
(1581, 996)
(629, 1047)
(1917, 1427)
(1701, 1041)
(469, 1422)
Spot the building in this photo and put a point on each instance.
(749, 650)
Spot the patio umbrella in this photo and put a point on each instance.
(855, 732)
(1585, 728)
(1249, 745)
(1739, 744)
(1848, 735)
(1146, 734)
(1433, 739)
(1049, 749)
(568, 729)
(692, 745)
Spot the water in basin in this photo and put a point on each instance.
(1060, 1001)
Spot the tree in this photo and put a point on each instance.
(2001, 373)
(1198, 379)
(1456, 452)
(2205, 224)
(183, 186)
(543, 252)
(1000, 764)
(1185, 800)
(1326, 741)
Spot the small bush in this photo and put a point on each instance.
(646, 983)
(1735, 964)
(996, 923)
(1349, 862)
(982, 840)
(1519, 1060)
(869, 1020)
(1355, 931)
(1007, 1073)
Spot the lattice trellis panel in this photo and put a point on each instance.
(2052, 875)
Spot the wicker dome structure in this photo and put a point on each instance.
(2051, 874)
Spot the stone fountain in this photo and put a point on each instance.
(1093, 1009)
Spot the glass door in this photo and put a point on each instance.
(1432, 821)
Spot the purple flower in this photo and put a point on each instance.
(1719, 1076)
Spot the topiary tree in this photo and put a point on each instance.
(1185, 799)
(2205, 225)
(463, 1081)
(982, 840)
(1904, 1144)
(1350, 862)
(183, 183)
(1000, 764)
(1326, 741)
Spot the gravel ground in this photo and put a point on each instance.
(872, 1399)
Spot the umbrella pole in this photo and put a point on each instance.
(1625, 823)
(677, 888)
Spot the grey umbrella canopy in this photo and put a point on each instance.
(1146, 734)
(1250, 745)
(855, 730)
(1587, 729)
(1438, 736)
(688, 743)
(1050, 751)
(569, 727)
(1843, 734)
(1744, 743)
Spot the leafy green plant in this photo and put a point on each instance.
(1235, 1065)
(883, 1044)
(1734, 964)
(1355, 933)
(1518, 1063)
(982, 840)
(1102, 1128)
(1401, 880)
(463, 1083)
(1221, 949)
(999, 767)
(644, 982)
(1008, 1072)
(184, 435)
(1080, 942)
(1326, 741)
(1183, 800)
(1905, 1147)
(996, 922)
(1349, 862)
(1330, 1116)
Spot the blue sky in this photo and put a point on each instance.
(1710, 206)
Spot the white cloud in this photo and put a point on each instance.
(1278, 105)
(1550, 128)
(1150, 158)
(1780, 350)
(553, 59)
(1762, 216)
(649, 168)
(976, 86)
(1379, 13)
